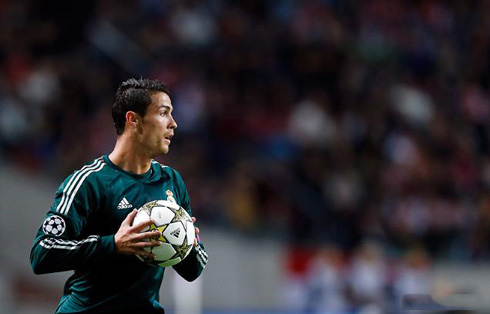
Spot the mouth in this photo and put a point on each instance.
(168, 138)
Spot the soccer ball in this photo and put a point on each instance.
(177, 232)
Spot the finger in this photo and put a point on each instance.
(197, 230)
(142, 252)
(144, 244)
(129, 218)
(193, 219)
(147, 235)
(195, 242)
(142, 225)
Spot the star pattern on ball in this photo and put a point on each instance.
(180, 214)
(161, 229)
(182, 250)
(148, 206)
(185, 226)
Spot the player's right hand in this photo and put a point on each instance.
(130, 240)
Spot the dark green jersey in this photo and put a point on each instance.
(78, 234)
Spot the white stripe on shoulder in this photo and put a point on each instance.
(74, 179)
(66, 207)
(67, 190)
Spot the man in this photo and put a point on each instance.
(89, 226)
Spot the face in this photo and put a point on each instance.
(157, 126)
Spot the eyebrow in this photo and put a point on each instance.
(166, 107)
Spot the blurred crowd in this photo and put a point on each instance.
(314, 121)
(366, 281)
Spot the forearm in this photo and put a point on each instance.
(193, 265)
(55, 254)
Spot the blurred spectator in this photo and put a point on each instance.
(326, 282)
(294, 293)
(310, 124)
(413, 276)
(368, 278)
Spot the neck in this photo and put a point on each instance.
(127, 157)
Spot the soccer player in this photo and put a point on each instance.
(89, 228)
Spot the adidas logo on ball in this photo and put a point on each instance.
(175, 233)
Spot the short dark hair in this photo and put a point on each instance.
(134, 95)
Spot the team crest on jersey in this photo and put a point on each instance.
(54, 225)
(170, 196)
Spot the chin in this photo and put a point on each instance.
(165, 150)
(160, 151)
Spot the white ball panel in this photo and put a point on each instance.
(163, 252)
(161, 215)
(170, 262)
(187, 215)
(168, 204)
(191, 233)
(175, 233)
(140, 217)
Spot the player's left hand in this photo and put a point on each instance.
(196, 240)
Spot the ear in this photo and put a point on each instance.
(132, 118)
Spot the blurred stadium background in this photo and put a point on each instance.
(337, 153)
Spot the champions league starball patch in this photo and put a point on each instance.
(54, 225)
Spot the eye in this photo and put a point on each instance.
(164, 113)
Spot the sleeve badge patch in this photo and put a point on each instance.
(54, 225)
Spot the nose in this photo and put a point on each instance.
(173, 123)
